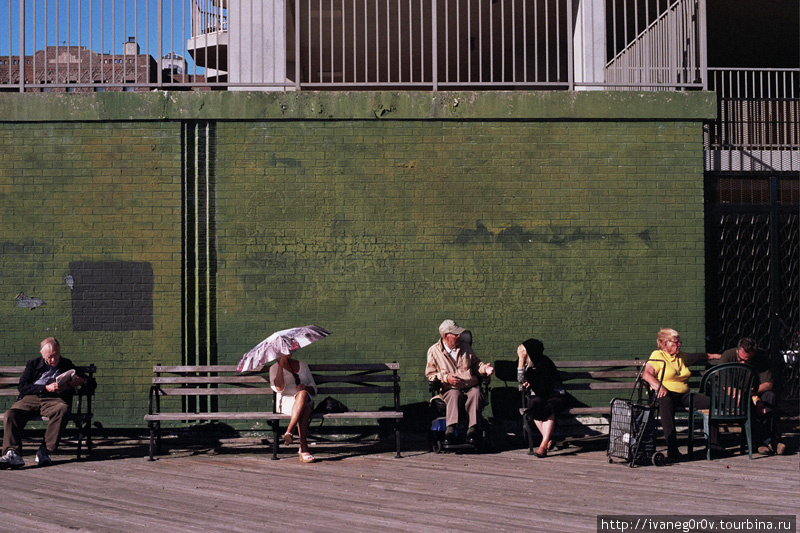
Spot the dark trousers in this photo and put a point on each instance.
(763, 426)
(26, 408)
(667, 405)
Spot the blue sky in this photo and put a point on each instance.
(100, 25)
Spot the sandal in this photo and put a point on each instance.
(287, 438)
(539, 454)
(306, 457)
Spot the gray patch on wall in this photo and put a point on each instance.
(112, 295)
(518, 237)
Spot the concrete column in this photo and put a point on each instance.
(257, 48)
(589, 43)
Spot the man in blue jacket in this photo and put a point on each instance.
(40, 394)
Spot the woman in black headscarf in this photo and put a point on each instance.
(537, 373)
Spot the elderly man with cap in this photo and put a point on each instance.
(454, 364)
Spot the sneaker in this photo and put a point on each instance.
(11, 459)
(42, 457)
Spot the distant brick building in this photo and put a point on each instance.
(77, 69)
(87, 70)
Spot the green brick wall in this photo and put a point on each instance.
(588, 236)
(90, 192)
(574, 218)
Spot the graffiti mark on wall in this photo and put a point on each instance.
(29, 302)
(515, 235)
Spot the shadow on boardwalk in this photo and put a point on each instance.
(232, 485)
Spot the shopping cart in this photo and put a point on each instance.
(632, 432)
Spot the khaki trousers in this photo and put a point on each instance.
(466, 399)
(26, 408)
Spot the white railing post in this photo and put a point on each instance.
(570, 48)
(159, 45)
(21, 47)
(296, 45)
(702, 27)
(434, 47)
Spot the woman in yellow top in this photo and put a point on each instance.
(674, 392)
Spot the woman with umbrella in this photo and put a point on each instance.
(291, 379)
(293, 382)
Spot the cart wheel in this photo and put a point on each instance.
(659, 459)
(436, 445)
(610, 460)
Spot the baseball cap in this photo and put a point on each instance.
(449, 326)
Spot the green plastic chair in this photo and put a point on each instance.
(730, 388)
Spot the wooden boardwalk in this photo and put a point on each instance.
(238, 489)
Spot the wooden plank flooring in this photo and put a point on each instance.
(239, 489)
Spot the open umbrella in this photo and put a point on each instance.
(280, 343)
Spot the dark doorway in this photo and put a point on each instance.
(753, 260)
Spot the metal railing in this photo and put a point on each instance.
(327, 44)
(435, 43)
(668, 53)
(758, 120)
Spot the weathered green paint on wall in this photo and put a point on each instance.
(361, 105)
(576, 233)
(90, 192)
(585, 232)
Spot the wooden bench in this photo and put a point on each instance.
(370, 381)
(80, 414)
(617, 377)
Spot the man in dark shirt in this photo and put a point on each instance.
(40, 394)
(764, 397)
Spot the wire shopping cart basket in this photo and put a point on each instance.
(632, 432)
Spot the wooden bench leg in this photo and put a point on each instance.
(275, 430)
(89, 438)
(152, 439)
(80, 441)
(397, 437)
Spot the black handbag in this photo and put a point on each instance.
(330, 405)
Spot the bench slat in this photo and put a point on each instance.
(187, 391)
(330, 378)
(183, 369)
(596, 364)
(603, 374)
(589, 410)
(159, 380)
(599, 386)
(354, 390)
(321, 367)
(361, 414)
(163, 417)
(215, 416)
(352, 367)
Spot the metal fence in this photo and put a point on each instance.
(91, 45)
(758, 120)
(667, 52)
